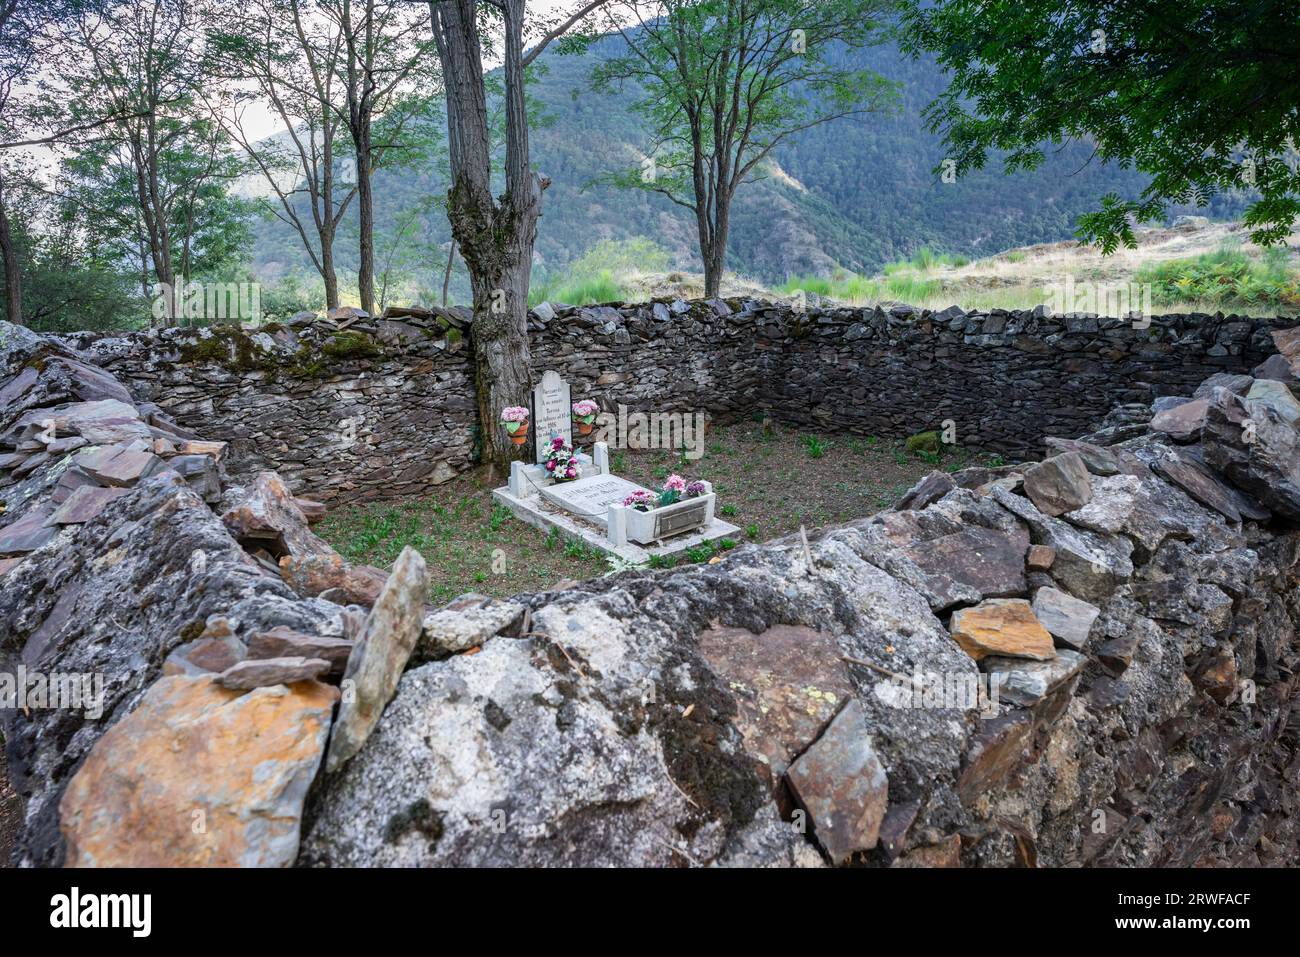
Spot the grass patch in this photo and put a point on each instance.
(764, 472)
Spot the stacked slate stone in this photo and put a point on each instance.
(797, 703)
(206, 630)
(351, 410)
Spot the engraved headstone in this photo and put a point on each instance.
(552, 412)
(590, 497)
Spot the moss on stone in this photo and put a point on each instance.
(351, 345)
(924, 442)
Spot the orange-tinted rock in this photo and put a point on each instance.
(312, 575)
(198, 776)
(1040, 557)
(1002, 626)
(947, 853)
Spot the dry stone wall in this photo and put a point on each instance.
(385, 408)
(798, 703)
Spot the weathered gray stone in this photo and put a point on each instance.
(1256, 449)
(1277, 396)
(380, 655)
(1087, 564)
(1183, 422)
(1066, 617)
(465, 622)
(970, 565)
(1058, 484)
(1233, 382)
(927, 491)
(1099, 461)
(1028, 682)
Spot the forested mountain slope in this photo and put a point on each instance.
(855, 193)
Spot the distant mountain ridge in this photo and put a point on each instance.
(854, 193)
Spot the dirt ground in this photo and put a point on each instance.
(769, 482)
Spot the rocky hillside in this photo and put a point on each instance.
(249, 699)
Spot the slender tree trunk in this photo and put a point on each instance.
(715, 252)
(495, 238)
(327, 271)
(13, 273)
(366, 218)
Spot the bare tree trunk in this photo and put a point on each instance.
(13, 273)
(715, 252)
(495, 239)
(327, 271)
(366, 217)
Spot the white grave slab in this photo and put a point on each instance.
(552, 412)
(591, 497)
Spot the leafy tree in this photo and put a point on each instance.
(275, 52)
(24, 37)
(160, 169)
(1201, 94)
(723, 82)
(382, 54)
(72, 274)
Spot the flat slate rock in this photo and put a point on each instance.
(1183, 422)
(1069, 619)
(788, 682)
(265, 672)
(85, 503)
(465, 622)
(970, 565)
(284, 642)
(28, 533)
(380, 656)
(1058, 484)
(1028, 682)
(842, 784)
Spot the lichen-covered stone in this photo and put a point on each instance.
(379, 656)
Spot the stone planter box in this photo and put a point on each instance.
(676, 519)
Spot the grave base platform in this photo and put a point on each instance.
(533, 510)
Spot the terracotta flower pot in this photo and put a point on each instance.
(584, 428)
(520, 435)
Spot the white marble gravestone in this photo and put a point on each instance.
(552, 412)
